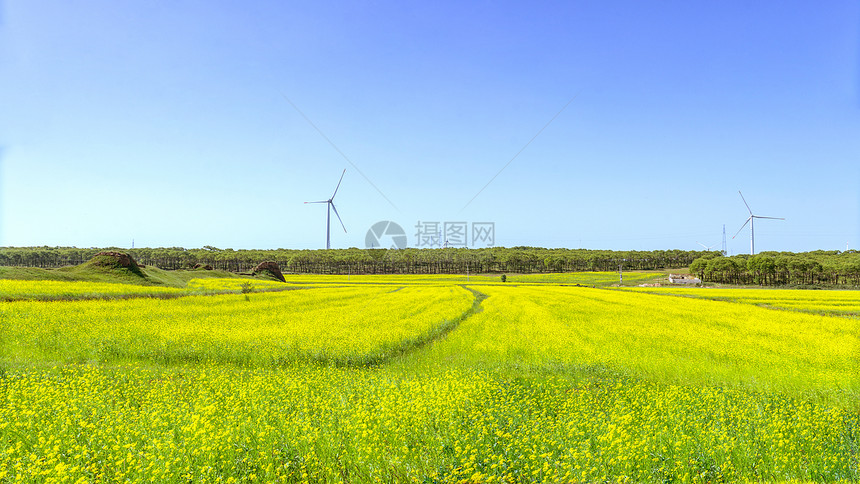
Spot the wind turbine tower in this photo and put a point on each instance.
(751, 221)
(331, 207)
(724, 241)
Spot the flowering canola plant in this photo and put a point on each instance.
(218, 284)
(20, 290)
(11, 290)
(674, 340)
(834, 302)
(321, 424)
(425, 383)
(333, 325)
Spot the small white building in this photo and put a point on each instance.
(681, 279)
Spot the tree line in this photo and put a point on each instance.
(781, 268)
(369, 261)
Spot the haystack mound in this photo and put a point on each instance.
(270, 268)
(110, 258)
(111, 262)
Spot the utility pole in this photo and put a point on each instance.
(620, 274)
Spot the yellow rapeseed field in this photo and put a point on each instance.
(333, 325)
(320, 424)
(214, 284)
(663, 338)
(425, 383)
(16, 290)
(584, 278)
(835, 302)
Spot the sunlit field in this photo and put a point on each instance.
(234, 285)
(589, 278)
(672, 340)
(15, 290)
(836, 302)
(50, 290)
(329, 325)
(582, 278)
(433, 381)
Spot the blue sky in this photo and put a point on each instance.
(168, 123)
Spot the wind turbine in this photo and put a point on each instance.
(751, 221)
(331, 206)
(707, 247)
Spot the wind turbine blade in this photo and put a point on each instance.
(772, 218)
(742, 226)
(703, 245)
(338, 217)
(338, 185)
(745, 203)
(321, 201)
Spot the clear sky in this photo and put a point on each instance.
(170, 123)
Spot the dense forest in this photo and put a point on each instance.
(766, 268)
(370, 261)
(781, 268)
